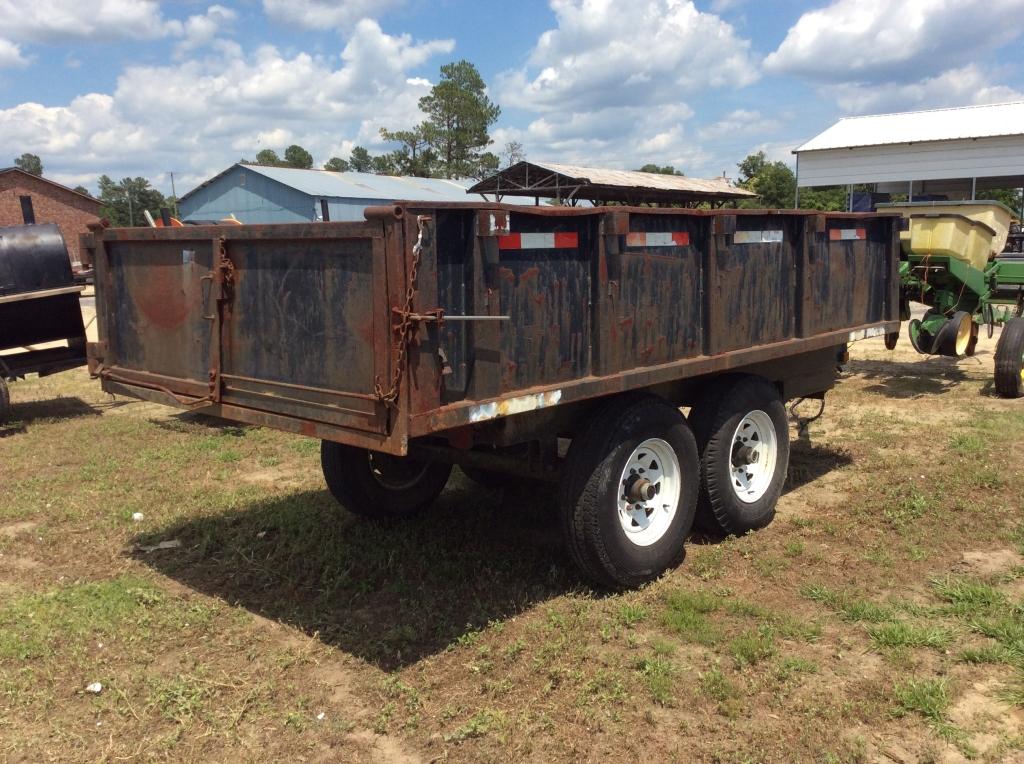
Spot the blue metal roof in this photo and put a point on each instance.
(360, 185)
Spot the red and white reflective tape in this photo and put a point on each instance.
(539, 241)
(847, 234)
(653, 239)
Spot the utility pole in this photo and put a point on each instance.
(174, 194)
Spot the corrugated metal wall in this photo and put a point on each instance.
(983, 157)
(253, 198)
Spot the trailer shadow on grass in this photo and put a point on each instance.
(389, 594)
(926, 378)
(24, 413)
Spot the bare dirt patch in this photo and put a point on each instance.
(989, 562)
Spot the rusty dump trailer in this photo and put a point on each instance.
(548, 343)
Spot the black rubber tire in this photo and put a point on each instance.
(5, 402)
(721, 511)
(353, 478)
(490, 479)
(589, 492)
(1010, 360)
(947, 336)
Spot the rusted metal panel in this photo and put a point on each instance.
(304, 328)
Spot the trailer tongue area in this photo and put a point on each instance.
(542, 343)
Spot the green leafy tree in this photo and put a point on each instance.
(29, 163)
(268, 158)
(666, 170)
(414, 156)
(83, 190)
(459, 114)
(298, 157)
(360, 160)
(123, 201)
(337, 164)
(383, 164)
(773, 182)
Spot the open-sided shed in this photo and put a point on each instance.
(958, 153)
(571, 183)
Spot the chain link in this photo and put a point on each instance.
(406, 325)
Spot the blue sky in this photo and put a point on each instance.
(141, 87)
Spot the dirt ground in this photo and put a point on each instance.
(230, 610)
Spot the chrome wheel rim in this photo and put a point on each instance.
(396, 473)
(648, 492)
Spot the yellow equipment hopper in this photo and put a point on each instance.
(971, 231)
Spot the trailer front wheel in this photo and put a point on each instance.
(629, 492)
(379, 486)
(5, 401)
(1010, 360)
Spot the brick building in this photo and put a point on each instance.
(51, 203)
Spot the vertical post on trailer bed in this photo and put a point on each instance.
(974, 189)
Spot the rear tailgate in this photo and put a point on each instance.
(280, 324)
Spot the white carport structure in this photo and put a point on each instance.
(957, 153)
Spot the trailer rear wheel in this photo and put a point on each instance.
(379, 486)
(629, 491)
(1010, 360)
(745, 455)
(5, 401)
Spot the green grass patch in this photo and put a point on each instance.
(658, 674)
(967, 597)
(927, 697)
(686, 614)
(900, 634)
(849, 607)
(752, 647)
(37, 625)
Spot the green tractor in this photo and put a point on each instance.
(965, 261)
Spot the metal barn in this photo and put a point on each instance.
(957, 153)
(255, 194)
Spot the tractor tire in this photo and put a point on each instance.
(629, 492)
(744, 440)
(380, 486)
(1010, 360)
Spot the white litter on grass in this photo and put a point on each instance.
(95, 688)
(138, 517)
(320, 716)
(169, 544)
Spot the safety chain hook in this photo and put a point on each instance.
(407, 322)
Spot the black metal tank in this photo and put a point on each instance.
(33, 258)
(39, 302)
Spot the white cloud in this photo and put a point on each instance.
(11, 55)
(606, 53)
(62, 20)
(737, 123)
(893, 40)
(326, 14)
(209, 112)
(955, 87)
(202, 30)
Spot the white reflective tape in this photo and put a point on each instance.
(537, 240)
(757, 237)
(864, 334)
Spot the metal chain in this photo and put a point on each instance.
(406, 325)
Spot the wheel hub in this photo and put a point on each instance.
(649, 490)
(755, 447)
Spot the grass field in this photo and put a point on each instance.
(880, 618)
